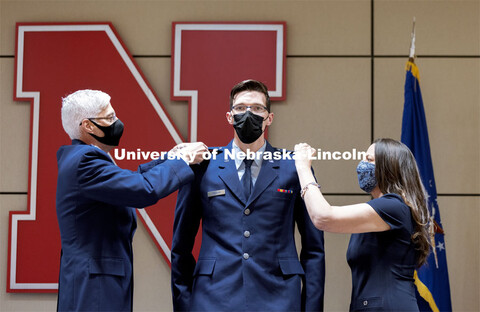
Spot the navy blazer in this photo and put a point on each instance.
(248, 259)
(96, 223)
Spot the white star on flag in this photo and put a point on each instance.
(441, 246)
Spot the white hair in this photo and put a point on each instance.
(81, 105)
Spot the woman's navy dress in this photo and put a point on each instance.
(383, 263)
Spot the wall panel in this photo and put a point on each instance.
(14, 134)
(460, 218)
(442, 27)
(327, 106)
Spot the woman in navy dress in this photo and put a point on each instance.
(390, 233)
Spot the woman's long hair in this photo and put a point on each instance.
(396, 172)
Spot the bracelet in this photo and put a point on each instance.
(305, 188)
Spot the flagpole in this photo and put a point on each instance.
(411, 58)
(431, 281)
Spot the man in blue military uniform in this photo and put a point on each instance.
(248, 259)
(93, 203)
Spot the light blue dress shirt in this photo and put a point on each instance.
(256, 165)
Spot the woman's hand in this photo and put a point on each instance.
(304, 154)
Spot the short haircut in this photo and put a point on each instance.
(81, 105)
(250, 85)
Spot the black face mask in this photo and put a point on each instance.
(113, 133)
(248, 126)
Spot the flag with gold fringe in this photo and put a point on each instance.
(431, 280)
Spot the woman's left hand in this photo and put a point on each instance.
(304, 154)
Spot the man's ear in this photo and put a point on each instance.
(87, 126)
(229, 116)
(269, 119)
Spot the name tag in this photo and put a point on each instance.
(216, 193)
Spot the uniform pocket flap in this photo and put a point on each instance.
(106, 266)
(290, 266)
(204, 267)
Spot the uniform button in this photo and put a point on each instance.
(246, 234)
(246, 211)
(365, 302)
(246, 256)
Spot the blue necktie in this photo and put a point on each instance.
(247, 178)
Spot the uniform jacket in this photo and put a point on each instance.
(248, 259)
(96, 223)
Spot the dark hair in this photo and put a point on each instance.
(250, 85)
(396, 172)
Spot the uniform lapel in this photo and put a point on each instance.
(268, 173)
(229, 175)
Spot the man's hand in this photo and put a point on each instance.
(192, 153)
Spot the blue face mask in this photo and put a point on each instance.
(366, 176)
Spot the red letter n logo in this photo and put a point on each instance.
(54, 60)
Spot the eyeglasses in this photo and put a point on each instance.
(255, 108)
(110, 118)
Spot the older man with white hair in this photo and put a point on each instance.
(94, 200)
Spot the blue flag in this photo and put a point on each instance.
(433, 287)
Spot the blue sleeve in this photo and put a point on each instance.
(147, 166)
(100, 179)
(152, 164)
(312, 257)
(188, 213)
(392, 209)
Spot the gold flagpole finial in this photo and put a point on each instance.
(411, 56)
